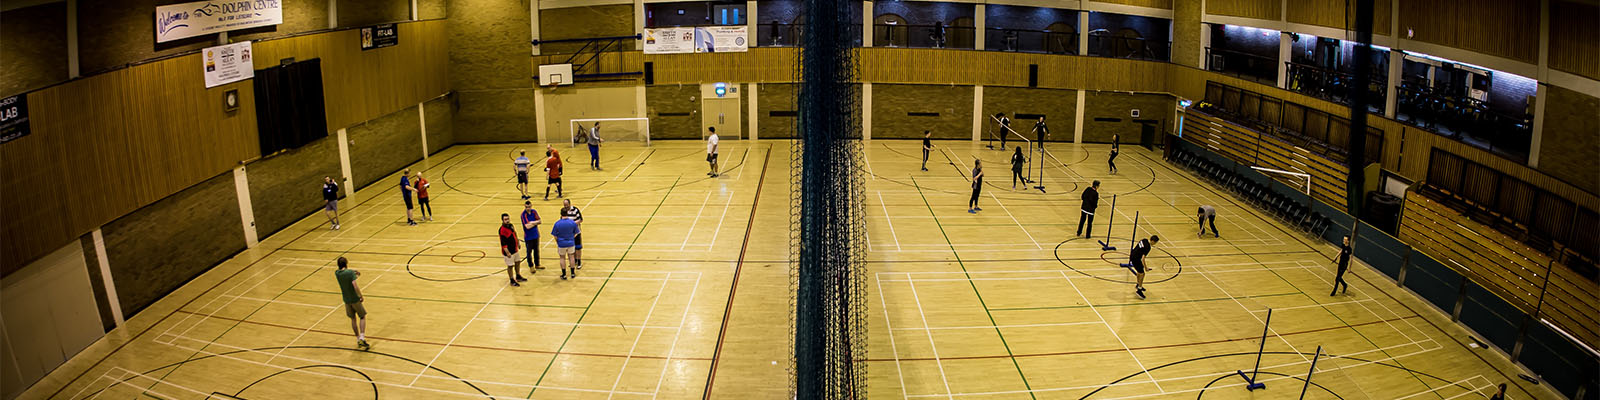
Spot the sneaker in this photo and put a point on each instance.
(538, 267)
(514, 283)
(411, 223)
(546, 198)
(978, 208)
(521, 279)
(363, 345)
(971, 211)
(1216, 235)
(563, 275)
(1140, 293)
(924, 168)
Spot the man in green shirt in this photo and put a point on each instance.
(352, 302)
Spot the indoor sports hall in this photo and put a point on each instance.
(807, 199)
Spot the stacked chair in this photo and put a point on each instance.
(1292, 210)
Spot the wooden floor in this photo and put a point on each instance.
(686, 289)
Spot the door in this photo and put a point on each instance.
(722, 114)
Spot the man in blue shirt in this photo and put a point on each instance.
(405, 193)
(530, 234)
(330, 197)
(565, 231)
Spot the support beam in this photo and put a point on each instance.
(977, 113)
(1544, 76)
(422, 126)
(72, 50)
(866, 110)
(978, 30)
(866, 23)
(539, 120)
(1077, 117)
(333, 14)
(638, 23)
(344, 167)
(1391, 97)
(1083, 33)
(247, 214)
(750, 90)
(533, 25)
(1356, 159)
(105, 276)
(1285, 52)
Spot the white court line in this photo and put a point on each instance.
(631, 164)
(458, 334)
(1447, 385)
(1317, 305)
(890, 222)
(636, 337)
(894, 349)
(1274, 332)
(519, 321)
(1360, 292)
(1001, 326)
(1014, 220)
(1475, 390)
(690, 233)
(280, 301)
(931, 345)
(718, 231)
(662, 376)
(127, 378)
(219, 308)
(1114, 334)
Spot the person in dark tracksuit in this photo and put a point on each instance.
(1017, 160)
(977, 186)
(1091, 201)
(927, 146)
(1136, 262)
(1344, 265)
(1115, 148)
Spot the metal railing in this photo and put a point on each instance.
(1464, 119)
(1101, 45)
(1333, 85)
(790, 35)
(1030, 41)
(584, 57)
(924, 36)
(1255, 68)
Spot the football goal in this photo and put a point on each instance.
(612, 130)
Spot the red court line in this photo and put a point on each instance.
(1119, 349)
(711, 376)
(511, 349)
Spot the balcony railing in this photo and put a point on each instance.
(1334, 85)
(790, 35)
(1258, 69)
(1126, 47)
(924, 36)
(1030, 41)
(1466, 119)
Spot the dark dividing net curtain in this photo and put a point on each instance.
(289, 106)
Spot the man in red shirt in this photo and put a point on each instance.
(508, 249)
(422, 196)
(552, 164)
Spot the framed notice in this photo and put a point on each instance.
(227, 64)
(13, 117)
(668, 40)
(379, 36)
(201, 18)
(721, 39)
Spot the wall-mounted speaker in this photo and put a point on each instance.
(1033, 75)
(649, 73)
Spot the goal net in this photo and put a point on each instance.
(612, 130)
(1300, 181)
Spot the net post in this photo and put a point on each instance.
(1250, 381)
(1313, 369)
(1110, 222)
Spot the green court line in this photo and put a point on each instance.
(441, 300)
(603, 287)
(981, 303)
(1147, 303)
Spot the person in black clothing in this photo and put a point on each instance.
(927, 146)
(977, 186)
(1040, 131)
(1115, 147)
(330, 194)
(1500, 394)
(1344, 265)
(1005, 129)
(1017, 160)
(1091, 200)
(1136, 261)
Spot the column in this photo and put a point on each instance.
(72, 53)
(1077, 117)
(750, 90)
(977, 113)
(344, 167)
(105, 276)
(422, 126)
(980, 28)
(638, 23)
(866, 110)
(750, 24)
(1543, 76)
(866, 23)
(1083, 33)
(1285, 51)
(1205, 46)
(533, 25)
(1391, 98)
(247, 215)
(333, 14)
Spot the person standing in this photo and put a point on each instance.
(530, 236)
(520, 166)
(1499, 394)
(508, 250)
(568, 211)
(1136, 261)
(1005, 129)
(711, 150)
(977, 186)
(1208, 214)
(405, 194)
(422, 197)
(1040, 131)
(330, 196)
(1116, 146)
(353, 301)
(1017, 160)
(566, 232)
(1091, 201)
(927, 146)
(594, 146)
(552, 167)
(1344, 265)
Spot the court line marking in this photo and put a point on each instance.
(1014, 220)
(458, 334)
(1225, 292)
(931, 345)
(889, 221)
(718, 230)
(894, 350)
(1000, 326)
(1435, 389)
(687, 306)
(636, 337)
(128, 376)
(520, 321)
(1114, 334)
(690, 233)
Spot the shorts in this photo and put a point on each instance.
(408, 200)
(333, 205)
(577, 241)
(1138, 267)
(353, 310)
(565, 251)
(522, 177)
(511, 260)
(553, 181)
(711, 157)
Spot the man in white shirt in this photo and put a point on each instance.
(711, 151)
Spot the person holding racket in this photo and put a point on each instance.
(1136, 262)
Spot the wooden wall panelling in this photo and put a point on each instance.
(1162, 4)
(1464, 24)
(1574, 46)
(757, 65)
(1338, 14)
(1258, 9)
(361, 85)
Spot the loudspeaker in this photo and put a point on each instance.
(649, 73)
(1033, 75)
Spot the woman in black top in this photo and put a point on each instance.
(1016, 169)
(1115, 146)
(977, 185)
(1344, 265)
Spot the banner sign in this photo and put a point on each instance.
(201, 18)
(710, 39)
(379, 36)
(227, 64)
(13, 117)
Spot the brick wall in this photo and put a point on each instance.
(893, 107)
(777, 97)
(165, 244)
(373, 12)
(674, 111)
(1158, 107)
(1570, 145)
(490, 71)
(33, 48)
(288, 186)
(1059, 106)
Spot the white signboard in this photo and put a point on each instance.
(721, 39)
(710, 39)
(200, 18)
(668, 40)
(227, 64)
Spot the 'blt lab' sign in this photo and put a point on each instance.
(379, 36)
(13, 117)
